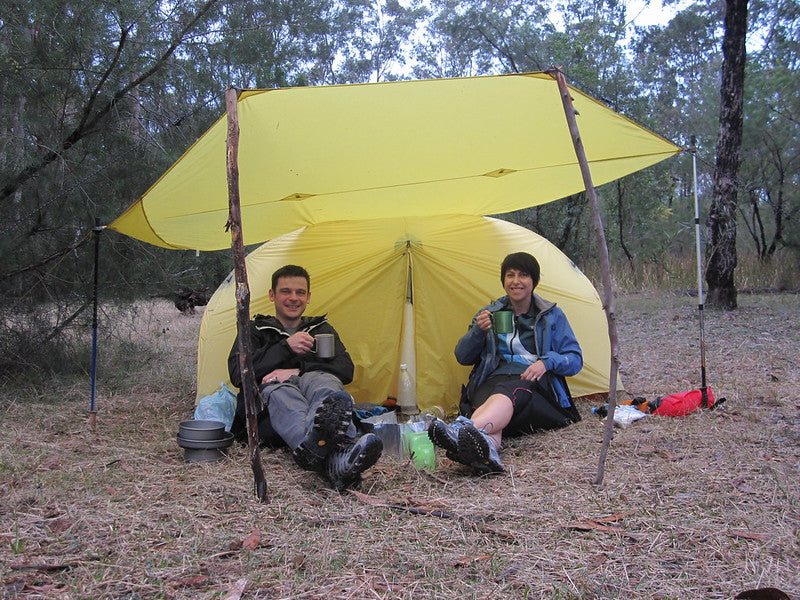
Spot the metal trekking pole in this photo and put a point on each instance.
(703, 385)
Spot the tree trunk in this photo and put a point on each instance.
(722, 215)
(574, 209)
(777, 210)
(621, 224)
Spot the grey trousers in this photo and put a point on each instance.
(293, 403)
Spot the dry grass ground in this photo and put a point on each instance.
(692, 508)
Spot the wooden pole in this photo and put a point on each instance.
(608, 292)
(249, 387)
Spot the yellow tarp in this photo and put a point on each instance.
(359, 271)
(477, 146)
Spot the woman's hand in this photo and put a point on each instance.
(484, 320)
(535, 372)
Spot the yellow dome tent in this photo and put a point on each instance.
(359, 273)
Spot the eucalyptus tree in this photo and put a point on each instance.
(468, 37)
(278, 43)
(77, 141)
(478, 37)
(770, 174)
(721, 221)
(588, 40)
(98, 98)
(679, 67)
(374, 38)
(676, 67)
(593, 42)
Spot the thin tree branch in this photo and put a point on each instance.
(45, 260)
(502, 51)
(68, 320)
(89, 121)
(123, 37)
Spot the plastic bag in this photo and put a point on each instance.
(219, 406)
(625, 414)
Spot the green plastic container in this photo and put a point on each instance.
(420, 448)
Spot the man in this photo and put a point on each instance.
(518, 381)
(306, 405)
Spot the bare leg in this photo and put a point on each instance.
(493, 415)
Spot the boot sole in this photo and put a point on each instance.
(331, 421)
(473, 449)
(329, 431)
(441, 438)
(351, 475)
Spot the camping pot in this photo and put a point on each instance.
(325, 346)
(205, 450)
(201, 430)
(503, 321)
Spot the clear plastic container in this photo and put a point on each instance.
(434, 412)
(406, 392)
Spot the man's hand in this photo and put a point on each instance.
(301, 342)
(279, 375)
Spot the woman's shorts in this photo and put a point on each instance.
(535, 406)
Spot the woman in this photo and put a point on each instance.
(517, 384)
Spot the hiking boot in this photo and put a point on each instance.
(476, 449)
(329, 430)
(343, 467)
(446, 436)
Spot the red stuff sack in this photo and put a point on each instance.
(683, 403)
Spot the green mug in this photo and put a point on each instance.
(503, 321)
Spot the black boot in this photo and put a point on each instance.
(344, 467)
(477, 449)
(446, 436)
(329, 430)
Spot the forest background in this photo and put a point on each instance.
(98, 98)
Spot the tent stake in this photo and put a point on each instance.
(93, 374)
(249, 387)
(608, 292)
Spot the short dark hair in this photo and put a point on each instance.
(522, 261)
(290, 271)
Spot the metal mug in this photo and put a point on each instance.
(503, 321)
(324, 345)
